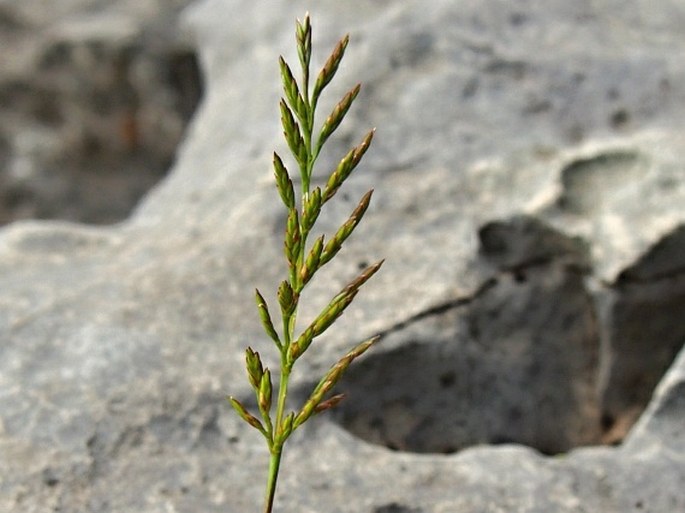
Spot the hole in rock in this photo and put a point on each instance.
(503, 368)
(588, 181)
(645, 329)
(90, 126)
(519, 363)
(394, 507)
(619, 119)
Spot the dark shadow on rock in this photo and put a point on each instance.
(519, 362)
(516, 363)
(644, 329)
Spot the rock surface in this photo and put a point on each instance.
(94, 97)
(529, 200)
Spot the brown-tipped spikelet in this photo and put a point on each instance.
(329, 403)
(303, 35)
(264, 394)
(346, 166)
(292, 92)
(283, 183)
(334, 245)
(311, 209)
(335, 309)
(335, 118)
(254, 367)
(293, 135)
(265, 317)
(329, 69)
(247, 416)
(329, 381)
(286, 298)
(311, 263)
(293, 238)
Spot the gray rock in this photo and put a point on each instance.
(93, 96)
(529, 192)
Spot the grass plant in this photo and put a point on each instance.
(304, 258)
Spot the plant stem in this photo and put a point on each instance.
(280, 408)
(276, 446)
(303, 262)
(274, 464)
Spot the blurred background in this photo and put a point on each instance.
(94, 99)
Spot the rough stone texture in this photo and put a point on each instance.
(94, 97)
(529, 200)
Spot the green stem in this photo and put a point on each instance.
(274, 464)
(276, 446)
(282, 395)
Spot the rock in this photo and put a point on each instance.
(93, 97)
(529, 192)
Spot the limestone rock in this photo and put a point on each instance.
(94, 96)
(529, 191)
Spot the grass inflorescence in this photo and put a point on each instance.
(305, 259)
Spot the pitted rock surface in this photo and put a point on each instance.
(528, 169)
(94, 98)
